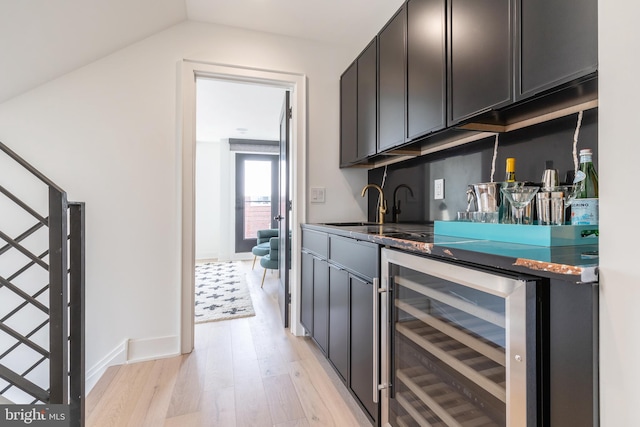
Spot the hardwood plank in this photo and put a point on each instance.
(194, 419)
(251, 408)
(219, 365)
(273, 366)
(219, 407)
(154, 400)
(282, 398)
(312, 402)
(118, 402)
(302, 422)
(331, 396)
(101, 387)
(189, 384)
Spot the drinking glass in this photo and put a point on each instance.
(519, 196)
(570, 193)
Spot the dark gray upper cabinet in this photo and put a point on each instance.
(426, 67)
(558, 43)
(367, 101)
(349, 116)
(480, 52)
(392, 82)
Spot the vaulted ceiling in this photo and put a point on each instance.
(44, 39)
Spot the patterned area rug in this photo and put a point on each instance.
(221, 292)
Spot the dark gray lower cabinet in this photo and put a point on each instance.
(339, 320)
(573, 354)
(306, 292)
(361, 343)
(337, 308)
(314, 299)
(321, 303)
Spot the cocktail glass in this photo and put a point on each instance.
(519, 196)
(570, 193)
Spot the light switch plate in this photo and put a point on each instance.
(317, 194)
(438, 189)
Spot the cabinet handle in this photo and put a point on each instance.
(376, 339)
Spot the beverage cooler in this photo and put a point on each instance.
(458, 345)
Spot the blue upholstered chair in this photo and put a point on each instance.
(270, 261)
(262, 247)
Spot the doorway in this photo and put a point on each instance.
(296, 83)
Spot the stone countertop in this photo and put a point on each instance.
(575, 264)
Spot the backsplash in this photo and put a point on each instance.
(471, 163)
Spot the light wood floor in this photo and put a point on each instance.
(242, 372)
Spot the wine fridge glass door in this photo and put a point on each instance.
(456, 345)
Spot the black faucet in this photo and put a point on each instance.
(395, 211)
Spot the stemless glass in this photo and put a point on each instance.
(519, 196)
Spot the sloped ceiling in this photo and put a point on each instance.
(352, 22)
(44, 39)
(41, 40)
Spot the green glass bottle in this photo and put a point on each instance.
(584, 209)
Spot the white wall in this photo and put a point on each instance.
(108, 134)
(619, 151)
(209, 201)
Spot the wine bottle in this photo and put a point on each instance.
(506, 212)
(510, 175)
(584, 209)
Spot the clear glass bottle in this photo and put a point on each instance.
(584, 209)
(506, 212)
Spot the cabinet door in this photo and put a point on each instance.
(339, 319)
(321, 303)
(306, 292)
(361, 345)
(480, 34)
(391, 82)
(349, 116)
(426, 67)
(559, 42)
(573, 354)
(367, 101)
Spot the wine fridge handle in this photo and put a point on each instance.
(376, 339)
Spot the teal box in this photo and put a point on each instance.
(538, 235)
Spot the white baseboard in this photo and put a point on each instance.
(153, 348)
(117, 356)
(132, 351)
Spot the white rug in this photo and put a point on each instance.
(221, 292)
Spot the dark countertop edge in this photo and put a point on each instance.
(568, 273)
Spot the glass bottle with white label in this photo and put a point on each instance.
(584, 209)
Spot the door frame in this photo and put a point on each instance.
(297, 84)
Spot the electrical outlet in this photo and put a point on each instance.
(438, 189)
(317, 194)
